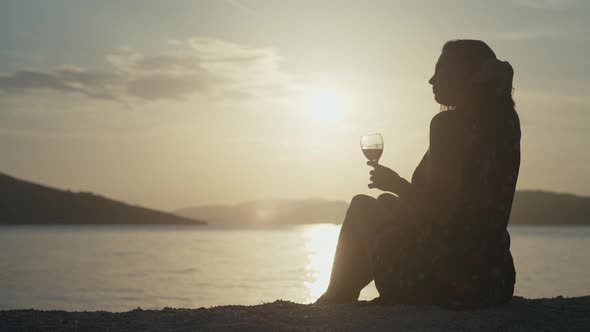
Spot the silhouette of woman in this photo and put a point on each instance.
(442, 238)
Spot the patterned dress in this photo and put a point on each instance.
(464, 263)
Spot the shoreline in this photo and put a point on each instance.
(546, 314)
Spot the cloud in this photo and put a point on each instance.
(198, 66)
(66, 79)
(154, 87)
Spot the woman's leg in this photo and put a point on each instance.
(352, 270)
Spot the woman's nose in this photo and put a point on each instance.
(431, 80)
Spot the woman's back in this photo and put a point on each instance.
(490, 172)
(479, 261)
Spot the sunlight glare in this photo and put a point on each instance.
(320, 246)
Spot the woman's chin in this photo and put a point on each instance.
(438, 99)
(441, 100)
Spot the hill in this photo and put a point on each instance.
(23, 202)
(529, 208)
(550, 208)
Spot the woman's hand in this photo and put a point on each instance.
(384, 178)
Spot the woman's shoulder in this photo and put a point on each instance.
(449, 122)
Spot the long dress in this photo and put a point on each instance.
(464, 263)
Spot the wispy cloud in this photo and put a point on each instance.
(205, 66)
(66, 79)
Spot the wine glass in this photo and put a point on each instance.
(372, 146)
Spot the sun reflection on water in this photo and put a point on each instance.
(320, 245)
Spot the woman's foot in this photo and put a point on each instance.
(332, 298)
(376, 301)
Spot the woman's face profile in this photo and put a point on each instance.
(447, 81)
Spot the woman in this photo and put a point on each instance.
(442, 238)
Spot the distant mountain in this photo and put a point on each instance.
(273, 212)
(23, 202)
(549, 208)
(529, 208)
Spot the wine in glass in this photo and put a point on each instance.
(372, 146)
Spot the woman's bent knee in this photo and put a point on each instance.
(387, 197)
(361, 199)
(360, 204)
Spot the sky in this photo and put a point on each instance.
(170, 104)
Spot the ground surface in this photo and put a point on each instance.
(557, 314)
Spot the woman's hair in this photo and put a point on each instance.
(489, 90)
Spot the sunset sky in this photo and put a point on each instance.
(177, 103)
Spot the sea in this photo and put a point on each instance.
(119, 268)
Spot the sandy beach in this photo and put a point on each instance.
(556, 314)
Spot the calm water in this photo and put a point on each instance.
(119, 268)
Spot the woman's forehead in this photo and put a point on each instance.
(445, 59)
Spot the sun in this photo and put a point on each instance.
(326, 103)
